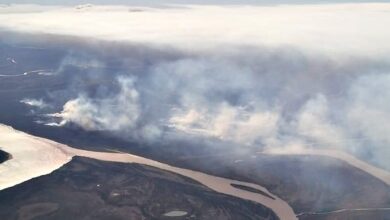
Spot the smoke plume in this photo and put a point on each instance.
(281, 76)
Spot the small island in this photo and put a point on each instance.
(4, 156)
(250, 189)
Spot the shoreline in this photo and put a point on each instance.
(4, 156)
(49, 155)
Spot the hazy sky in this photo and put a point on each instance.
(353, 29)
(151, 2)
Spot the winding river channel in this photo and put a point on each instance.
(35, 156)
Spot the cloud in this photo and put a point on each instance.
(335, 28)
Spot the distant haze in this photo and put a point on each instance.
(160, 2)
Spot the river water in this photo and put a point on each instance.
(35, 156)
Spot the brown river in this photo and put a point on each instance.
(34, 156)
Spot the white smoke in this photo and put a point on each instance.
(279, 103)
(111, 113)
(38, 103)
(283, 76)
(227, 123)
(368, 113)
(315, 124)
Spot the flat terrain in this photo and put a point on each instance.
(89, 189)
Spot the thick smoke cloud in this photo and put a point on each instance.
(107, 113)
(368, 113)
(263, 98)
(311, 83)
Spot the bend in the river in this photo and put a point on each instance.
(35, 156)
